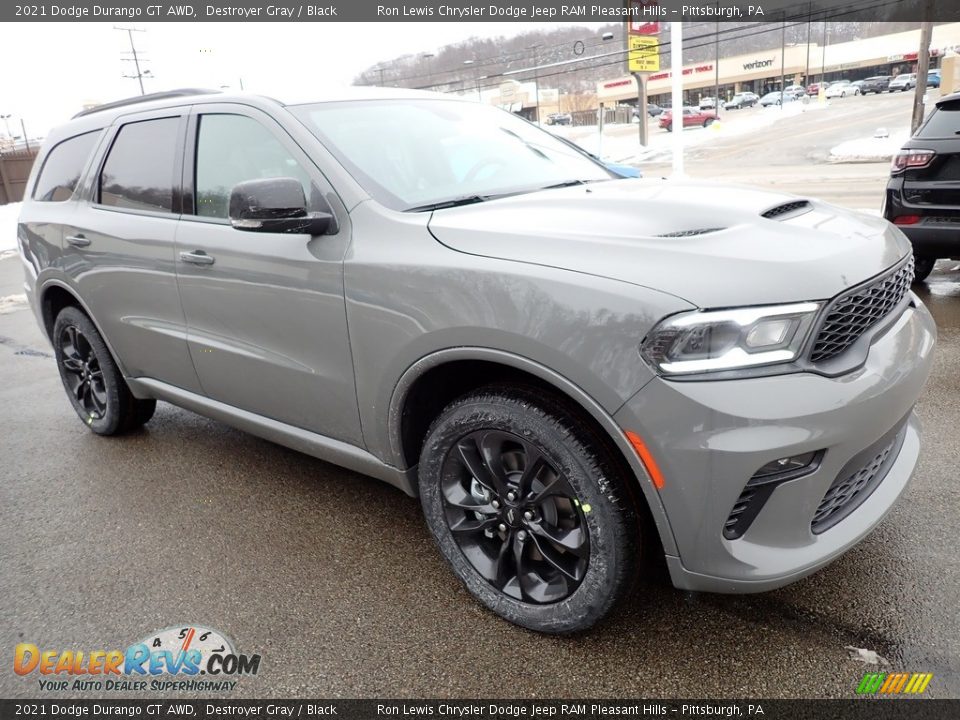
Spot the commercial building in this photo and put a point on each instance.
(761, 71)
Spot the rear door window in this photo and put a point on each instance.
(944, 122)
(139, 173)
(62, 168)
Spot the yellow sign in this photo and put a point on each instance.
(644, 55)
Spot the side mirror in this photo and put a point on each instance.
(275, 205)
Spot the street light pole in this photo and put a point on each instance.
(923, 66)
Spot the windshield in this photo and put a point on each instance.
(413, 154)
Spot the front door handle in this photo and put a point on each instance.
(197, 257)
(78, 240)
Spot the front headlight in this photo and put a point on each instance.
(697, 342)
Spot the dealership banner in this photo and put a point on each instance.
(480, 10)
(483, 709)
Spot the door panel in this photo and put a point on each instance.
(266, 319)
(119, 250)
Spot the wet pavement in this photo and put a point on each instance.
(334, 580)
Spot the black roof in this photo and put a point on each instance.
(182, 92)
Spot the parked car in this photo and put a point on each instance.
(907, 81)
(841, 90)
(776, 98)
(741, 100)
(571, 372)
(933, 78)
(708, 103)
(923, 193)
(691, 117)
(798, 91)
(875, 84)
(653, 110)
(814, 88)
(559, 119)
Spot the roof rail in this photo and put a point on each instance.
(182, 92)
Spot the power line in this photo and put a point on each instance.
(136, 59)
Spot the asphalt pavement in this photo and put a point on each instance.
(333, 578)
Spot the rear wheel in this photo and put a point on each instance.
(922, 267)
(94, 384)
(708, 122)
(528, 510)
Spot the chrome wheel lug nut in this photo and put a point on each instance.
(522, 535)
(502, 527)
(528, 516)
(495, 504)
(511, 496)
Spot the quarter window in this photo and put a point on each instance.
(61, 170)
(139, 172)
(232, 149)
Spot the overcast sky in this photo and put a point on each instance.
(51, 69)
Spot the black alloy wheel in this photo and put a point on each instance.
(515, 517)
(83, 376)
(93, 382)
(529, 507)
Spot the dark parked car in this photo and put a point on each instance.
(923, 193)
(741, 100)
(691, 117)
(875, 84)
(559, 119)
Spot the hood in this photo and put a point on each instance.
(712, 245)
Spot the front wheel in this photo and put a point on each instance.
(708, 122)
(922, 267)
(669, 128)
(528, 510)
(94, 384)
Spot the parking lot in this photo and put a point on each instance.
(333, 578)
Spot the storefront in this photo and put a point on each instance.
(761, 72)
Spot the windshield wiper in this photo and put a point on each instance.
(454, 202)
(565, 183)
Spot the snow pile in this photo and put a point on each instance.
(8, 228)
(871, 149)
(620, 142)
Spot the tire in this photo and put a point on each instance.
(669, 128)
(843, 94)
(499, 432)
(922, 267)
(708, 122)
(91, 379)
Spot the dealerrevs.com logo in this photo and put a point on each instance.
(182, 657)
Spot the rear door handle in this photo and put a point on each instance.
(197, 257)
(78, 240)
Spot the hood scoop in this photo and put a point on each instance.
(787, 210)
(690, 233)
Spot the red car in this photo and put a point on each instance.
(814, 88)
(691, 116)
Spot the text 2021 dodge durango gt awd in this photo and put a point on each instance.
(570, 370)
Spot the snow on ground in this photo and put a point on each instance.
(620, 143)
(8, 229)
(871, 149)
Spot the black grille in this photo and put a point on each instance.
(851, 314)
(852, 488)
(736, 523)
(789, 208)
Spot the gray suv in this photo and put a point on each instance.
(574, 373)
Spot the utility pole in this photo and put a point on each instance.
(135, 58)
(783, 60)
(26, 140)
(716, 70)
(923, 65)
(536, 79)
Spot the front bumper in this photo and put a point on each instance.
(709, 438)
